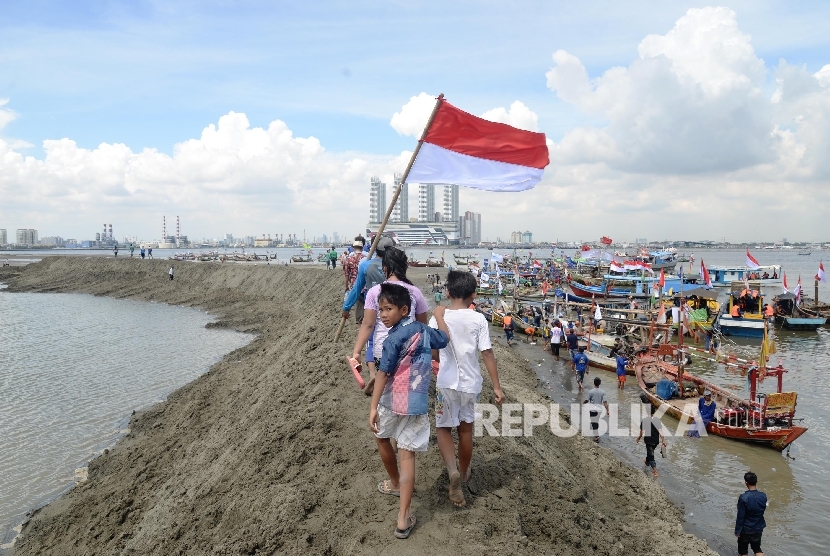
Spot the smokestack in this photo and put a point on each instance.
(178, 231)
(164, 229)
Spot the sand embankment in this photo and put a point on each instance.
(270, 451)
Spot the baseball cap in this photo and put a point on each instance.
(383, 244)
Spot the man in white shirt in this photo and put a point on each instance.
(459, 378)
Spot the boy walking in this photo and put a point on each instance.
(579, 364)
(400, 398)
(621, 364)
(459, 377)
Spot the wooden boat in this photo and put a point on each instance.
(435, 263)
(417, 264)
(790, 316)
(302, 259)
(599, 353)
(724, 276)
(768, 423)
(752, 323)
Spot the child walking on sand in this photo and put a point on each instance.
(400, 398)
(459, 377)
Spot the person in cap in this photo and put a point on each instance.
(350, 267)
(706, 407)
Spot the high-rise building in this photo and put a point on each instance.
(4, 238)
(470, 228)
(451, 203)
(426, 202)
(26, 236)
(527, 237)
(515, 237)
(377, 200)
(400, 212)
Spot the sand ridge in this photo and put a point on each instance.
(270, 453)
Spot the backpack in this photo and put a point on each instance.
(374, 273)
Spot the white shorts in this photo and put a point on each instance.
(452, 407)
(410, 431)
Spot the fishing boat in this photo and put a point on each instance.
(464, 260)
(723, 276)
(790, 316)
(766, 422)
(599, 353)
(805, 253)
(751, 323)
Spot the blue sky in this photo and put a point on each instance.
(150, 74)
(155, 74)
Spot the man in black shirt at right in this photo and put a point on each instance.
(750, 523)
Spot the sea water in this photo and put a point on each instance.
(73, 367)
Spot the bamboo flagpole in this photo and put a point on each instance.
(386, 216)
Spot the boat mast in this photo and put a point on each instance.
(681, 358)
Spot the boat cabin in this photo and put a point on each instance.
(725, 275)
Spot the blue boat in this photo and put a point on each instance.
(724, 275)
(790, 316)
(750, 321)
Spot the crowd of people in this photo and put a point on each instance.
(405, 349)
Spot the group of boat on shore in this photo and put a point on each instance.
(647, 315)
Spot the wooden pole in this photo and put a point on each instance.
(438, 102)
(816, 297)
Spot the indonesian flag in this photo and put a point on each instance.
(645, 266)
(461, 149)
(751, 261)
(606, 240)
(662, 278)
(820, 276)
(537, 264)
(786, 287)
(797, 291)
(616, 267)
(704, 272)
(661, 315)
(631, 265)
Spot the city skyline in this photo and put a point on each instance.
(662, 121)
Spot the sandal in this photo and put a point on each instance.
(385, 487)
(404, 533)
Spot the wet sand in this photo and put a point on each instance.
(270, 452)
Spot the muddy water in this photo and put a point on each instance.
(72, 369)
(705, 475)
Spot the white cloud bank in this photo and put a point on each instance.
(232, 178)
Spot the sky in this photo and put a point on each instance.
(664, 120)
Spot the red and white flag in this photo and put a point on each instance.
(461, 149)
(820, 276)
(616, 267)
(704, 272)
(751, 261)
(631, 265)
(797, 291)
(786, 287)
(645, 266)
(662, 278)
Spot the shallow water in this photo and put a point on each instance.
(73, 367)
(705, 476)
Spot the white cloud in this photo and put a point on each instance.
(691, 103)
(6, 114)
(519, 116)
(413, 116)
(232, 176)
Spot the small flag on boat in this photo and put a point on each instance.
(496, 258)
(705, 273)
(820, 276)
(661, 316)
(461, 149)
(751, 261)
(606, 240)
(614, 267)
(786, 287)
(645, 266)
(597, 314)
(797, 291)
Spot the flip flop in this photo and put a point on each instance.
(385, 488)
(404, 533)
(356, 367)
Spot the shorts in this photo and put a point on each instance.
(580, 376)
(509, 335)
(621, 379)
(453, 407)
(555, 349)
(747, 540)
(410, 431)
(358, 310)
(594, 421)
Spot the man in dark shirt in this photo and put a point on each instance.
(750, 523)
(573, 342)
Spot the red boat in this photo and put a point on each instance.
(763, 419)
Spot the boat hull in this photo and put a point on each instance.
(777, 438)
(740, 327)
(795, 323)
